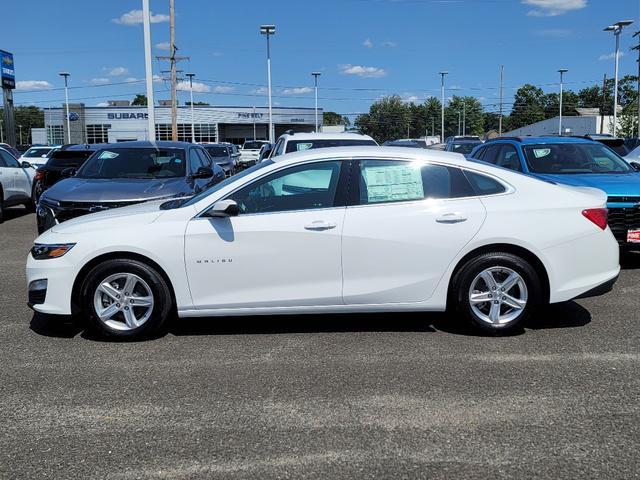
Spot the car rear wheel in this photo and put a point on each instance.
(126, 299)
(497, 292)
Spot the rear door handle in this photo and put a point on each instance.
(452, 217)
(320, 225)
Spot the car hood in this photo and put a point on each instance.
(623, 184)
(116, 190)
(139, 214)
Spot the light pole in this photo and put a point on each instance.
(562, 71)
(151, 114)
(464, 117)
(193, 127)
(315, 79)
(616, 28)
(443, 73)
(459, 121)
(66, 99)
(20, 127)
(269, 30)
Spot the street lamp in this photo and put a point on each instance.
(442, 108)
(20, 127)
(193, 128)
(269, 30)
(562, 71)
(66, 99)
(315, 79)
(616, 28)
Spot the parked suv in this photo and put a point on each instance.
(61, 163)
(578, 162)
(221, 155)
(297, 142)
(250, 152)
(122, 174)
(15, 182)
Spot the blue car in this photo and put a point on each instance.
(578, 162)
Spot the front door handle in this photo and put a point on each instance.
(320, 225)
(452, 217)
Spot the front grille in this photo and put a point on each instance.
(36, 297)
(67, 210)
(623, 200)
(623, 219)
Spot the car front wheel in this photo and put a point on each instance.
(126, 299)
(497, 292)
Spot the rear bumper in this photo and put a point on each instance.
(601, 289)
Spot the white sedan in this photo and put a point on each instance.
(351, 229)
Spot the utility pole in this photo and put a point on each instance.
(151, 118)
(459, 121)
(173, 60)
(464, 117)
(66, 100)
(562, 71)
(604, 102)
(433, 126)
(637, 47)
(20, 127)
(254, 123)
(443, 73)
(315, 78)
(501, 97)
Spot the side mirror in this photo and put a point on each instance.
(223, 208)
(26, 164)
(203, 172)
(265, 153)
(68, 172)
(635, 166)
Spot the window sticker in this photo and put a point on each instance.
(393, 183)
(107, 154)
(541, 152)
(304, 146)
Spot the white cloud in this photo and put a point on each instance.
(118, 71)
(223, 89)
(33, 85)
(454, 87)
(163, 45)
(99, 81)
(367, 43)
(389, 44)
(157, 78)
(297, 90)
(362, 71)
(408, 98)
(134, 17)
(198, 87)
(259, 91)
(610, 56)
(132, 79)
(102, 104)
(553, 8)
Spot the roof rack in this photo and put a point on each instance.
(517, 139)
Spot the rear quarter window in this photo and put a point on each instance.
(484, 185)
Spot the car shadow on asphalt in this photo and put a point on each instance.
(13, 213)
(563, 315)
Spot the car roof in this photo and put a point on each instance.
(327, 136)
(148, 144)
(542, 139)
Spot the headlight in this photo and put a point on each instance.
(40, 251)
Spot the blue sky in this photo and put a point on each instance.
(364, 48)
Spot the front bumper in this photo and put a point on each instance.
(60, 274)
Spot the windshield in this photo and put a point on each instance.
(300, 145)
(217, 151)
(36, 152)
(464, 148)
(567, 158)
(252, 145)
(135, 163)
(218, 186)
(68, 158)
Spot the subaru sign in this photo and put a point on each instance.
(74, 117)
(8, 72)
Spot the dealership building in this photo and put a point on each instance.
(119, 122)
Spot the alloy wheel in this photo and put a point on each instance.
(498, 296)
(123, 301)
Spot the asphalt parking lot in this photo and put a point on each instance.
(386, 396)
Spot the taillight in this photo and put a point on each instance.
(598, 216)
(39, 175)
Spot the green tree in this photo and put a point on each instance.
(570, 101)
(491, 122)
(333, 118)
(388, 119)
(461, 112)
(528, 107)
(139, 99)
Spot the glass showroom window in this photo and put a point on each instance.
(55, 134)
(98, 133)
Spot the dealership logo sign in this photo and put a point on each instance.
(250, 115)
(74, 117)
(127, 116)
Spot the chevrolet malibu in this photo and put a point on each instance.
(347, 229)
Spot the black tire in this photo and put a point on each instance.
(30, 205)
(163, 301)
(466, 275)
